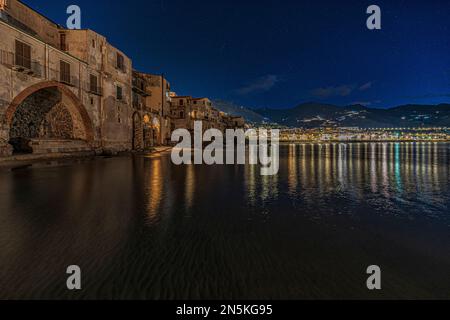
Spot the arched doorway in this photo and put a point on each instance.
(148, 132)
(138, 133)
(46, 118)
(156, 127)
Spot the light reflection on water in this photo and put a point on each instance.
(141, 227)
(383, 172)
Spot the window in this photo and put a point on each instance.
(181, 114)
(92, 101)
(120, 62)
(62, 42)
(64, 69)
(119, 120)
(181, 102)
(23, 55)
(93, 87)
(93, 43)
(119, 94)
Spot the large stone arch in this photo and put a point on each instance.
(74, 104)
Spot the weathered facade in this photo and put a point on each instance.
(149, 102)
(180, 113)
(159, 102)
(60, 90)
(233, 122)
(186, 110)
(70, 90)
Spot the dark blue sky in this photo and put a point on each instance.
(281, 53)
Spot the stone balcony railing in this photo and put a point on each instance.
(37, 70)
(27, 66)
(65, 78)
(138, 88)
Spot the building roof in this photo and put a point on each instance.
(181, 97)
(47, 18)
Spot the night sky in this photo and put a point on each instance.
(280, 53)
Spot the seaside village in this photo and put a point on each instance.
(64, 91)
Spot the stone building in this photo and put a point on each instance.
(142, 126)
(159, 103)
(151, 106)
(60, 90)
(186, 110)
(180, 113)
(202, 110)
(233, 122)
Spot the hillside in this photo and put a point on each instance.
(311, 115)
(233, 109)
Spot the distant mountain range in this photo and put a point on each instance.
(233, 109)
(311, 115)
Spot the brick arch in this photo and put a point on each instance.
(9, 115)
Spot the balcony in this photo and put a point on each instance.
(21, 64)
(139, 88)
(64, 77)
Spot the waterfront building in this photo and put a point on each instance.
(151, 104)
(234, 122)
(143, 130)
(60, 90)
(180, 113)
(67, 90)
(185, 110)
(159, 102)
(202, 110)
(365, 135)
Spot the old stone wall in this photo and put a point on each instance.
(21, 16)
(31, 113)
(111, 117)
(36, 111)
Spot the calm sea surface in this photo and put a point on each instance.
(140, 227)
